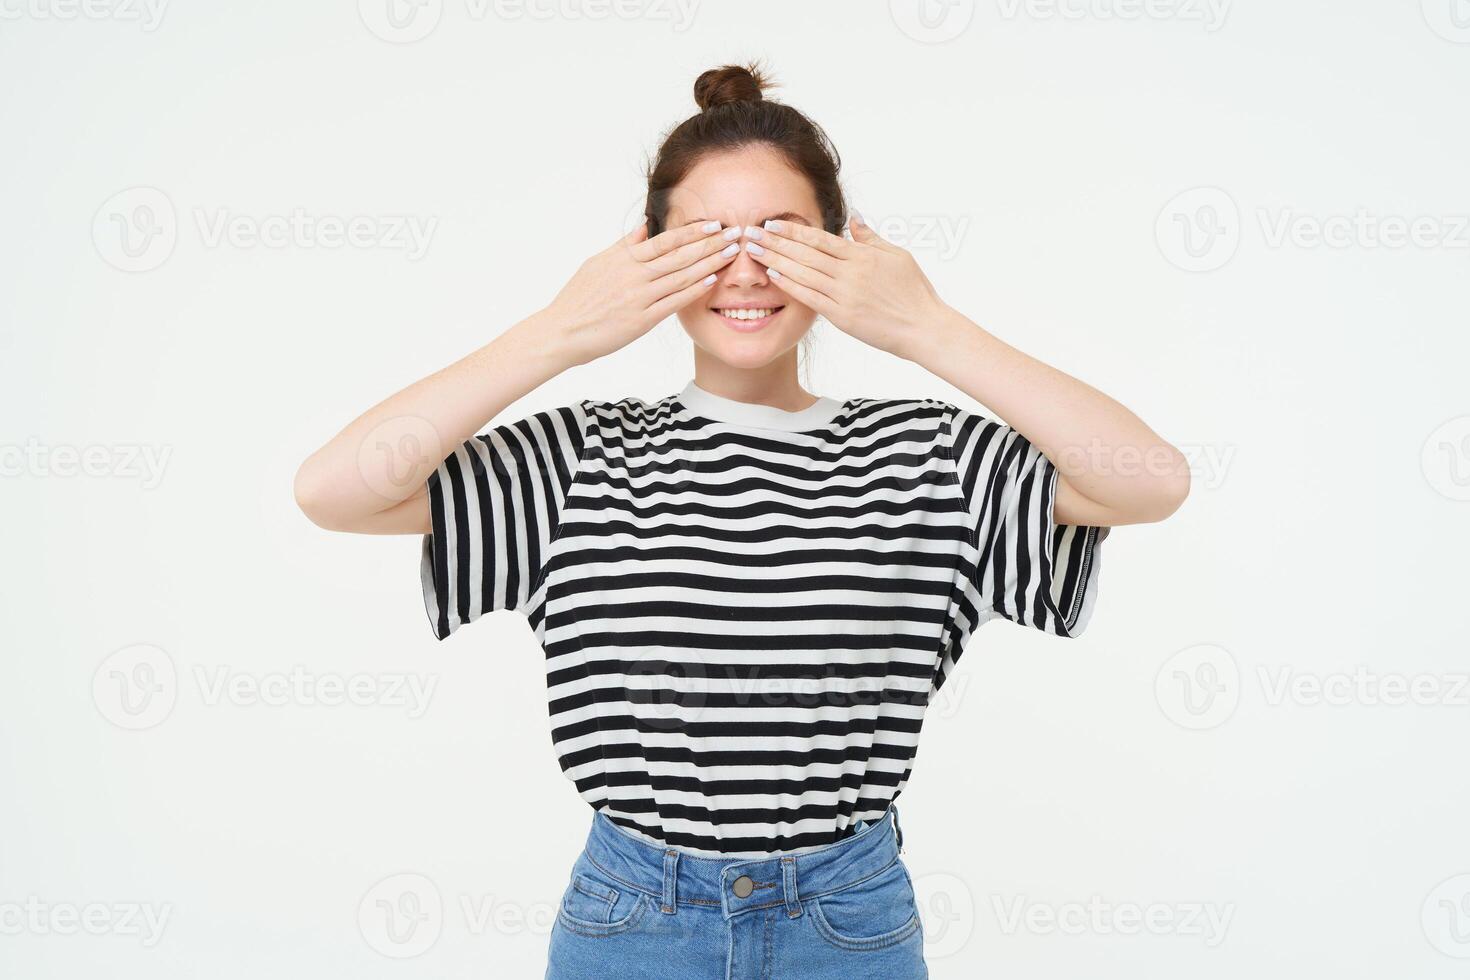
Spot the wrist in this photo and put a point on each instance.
(933, 340)
(544, 343)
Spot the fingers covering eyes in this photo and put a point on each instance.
(798, 251)
(803, 294)
(815, 238)
(686, 255)
(681, 278)
(673, 238)
(791, 268)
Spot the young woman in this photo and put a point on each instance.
(748, 593)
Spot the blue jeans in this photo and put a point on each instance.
(633, 909)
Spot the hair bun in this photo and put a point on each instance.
(732, 83)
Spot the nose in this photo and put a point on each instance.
(743, 270)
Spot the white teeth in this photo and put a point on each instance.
(745, 314)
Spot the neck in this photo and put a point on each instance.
(774, 384)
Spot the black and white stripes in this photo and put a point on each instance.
(495, 503)
(1009, 489)
(745, 611)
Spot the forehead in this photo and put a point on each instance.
(743, 186)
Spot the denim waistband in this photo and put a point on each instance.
(676, 877)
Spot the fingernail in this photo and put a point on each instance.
(709, 278)
(730, 249)
(753, 232)
(732, 233)
(754, 249)
(773, 225)
(774, 273)
(711, 226)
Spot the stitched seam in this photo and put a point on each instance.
(600, 929)
(592, 861)
(972, 525)
(585, 887)
(1083, 575)
(1067, 619)
(867, 943)
(850, 884)
(946, 436)
(695, 901)
(742, 861)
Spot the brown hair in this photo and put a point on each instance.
(734, 114)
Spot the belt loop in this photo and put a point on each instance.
(788, 881)
(896, 828)
(671, 873)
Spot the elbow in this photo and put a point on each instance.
(337, 501)
(1174, 494)
(1170, 487)
(313, 498)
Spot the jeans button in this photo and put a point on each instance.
(743, 886)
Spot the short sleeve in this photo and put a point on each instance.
(495, 504)
(1024, 566)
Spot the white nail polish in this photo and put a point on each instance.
(709, 279)
(732, 233)
(730, 249)
(773, 225)
(774, 273)
(754, 249)
(711, 226)
(753, 232)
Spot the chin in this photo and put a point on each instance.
(752, 341)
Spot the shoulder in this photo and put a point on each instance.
(954, 427)
(895, 411)
(913, 402)
(587, 411)
(629, 413)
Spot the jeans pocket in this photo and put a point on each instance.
(595, 905)
(872, 914)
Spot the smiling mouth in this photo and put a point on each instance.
(746, 318)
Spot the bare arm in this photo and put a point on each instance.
(1114, 469)
(369, 478)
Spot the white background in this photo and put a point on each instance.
(1033, 157)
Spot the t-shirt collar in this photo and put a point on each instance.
(709, 405)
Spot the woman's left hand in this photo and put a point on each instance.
(868, 287)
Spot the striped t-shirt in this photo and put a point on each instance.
(746, 610)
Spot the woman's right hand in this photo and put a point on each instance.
(370, 477)
(628, 288)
